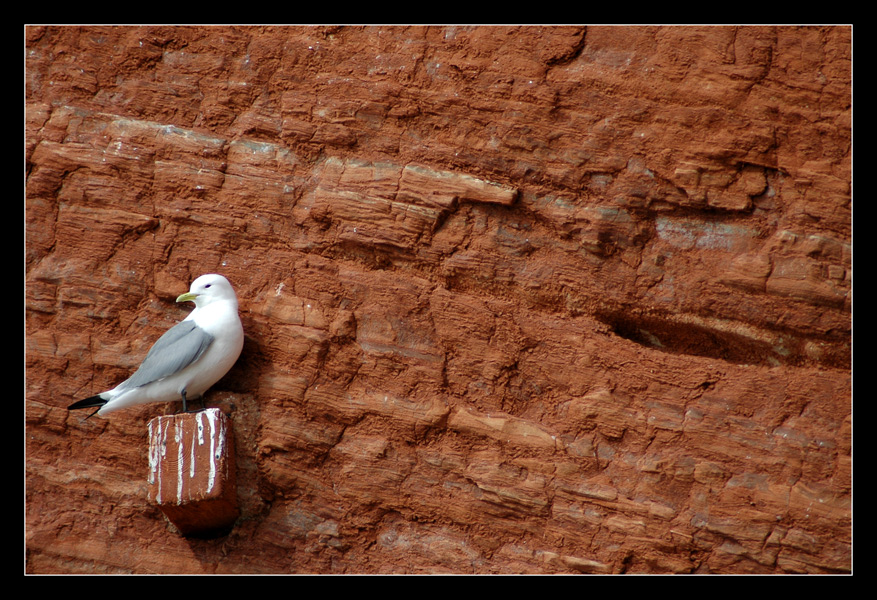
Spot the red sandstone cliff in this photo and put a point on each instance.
(517, 300)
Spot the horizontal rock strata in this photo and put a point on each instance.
(516, 299)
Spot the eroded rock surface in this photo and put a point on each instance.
(517, 300)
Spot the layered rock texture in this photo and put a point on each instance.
(517, 300)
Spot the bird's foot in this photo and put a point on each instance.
(186, 408)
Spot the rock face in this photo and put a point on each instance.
(517, 300)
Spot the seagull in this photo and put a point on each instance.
(189, 358)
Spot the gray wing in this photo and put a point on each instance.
(180, 346)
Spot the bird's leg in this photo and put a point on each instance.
(186, 403)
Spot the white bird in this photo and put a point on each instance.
(189, 358)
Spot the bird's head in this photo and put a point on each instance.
(207, 289)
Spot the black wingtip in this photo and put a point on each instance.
(94, 401)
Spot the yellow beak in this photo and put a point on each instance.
(187, 297)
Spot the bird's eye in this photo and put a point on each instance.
(207, 286)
